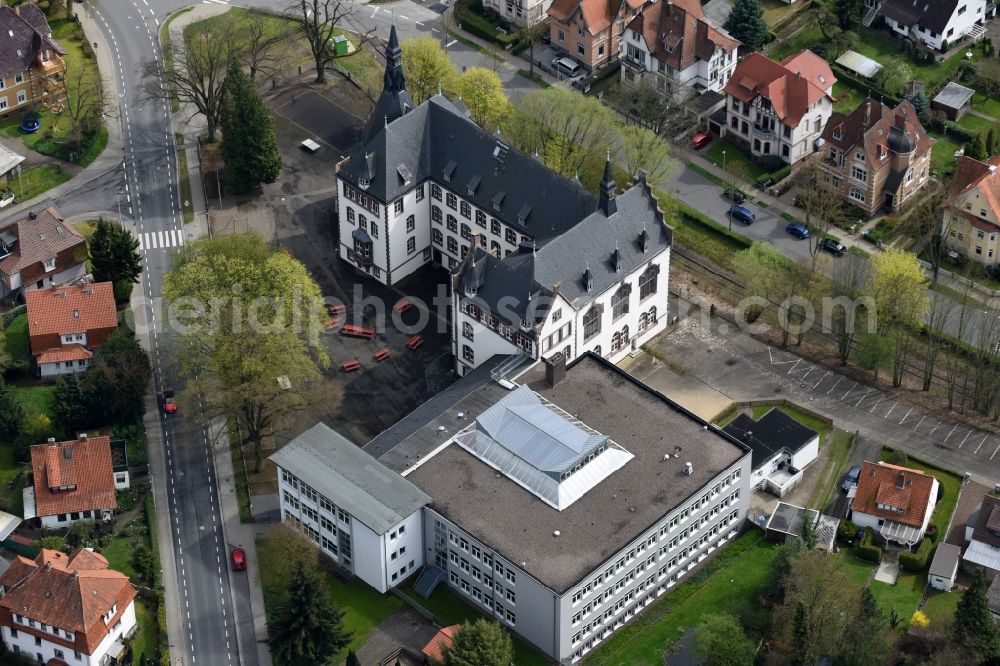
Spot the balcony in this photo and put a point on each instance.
(636, 65)
(763, 132)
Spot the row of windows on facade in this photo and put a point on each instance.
(41, 626)
(982, 213)
(495, 324)
(340, 550)
(21, 99)
(663, 531)
(401, 573)
(310, 494)
(57, 653)
(620, 302)
(78, 515)
(477, 553)
(309, 512)
(482, 577)
(485, 599)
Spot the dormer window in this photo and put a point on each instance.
(50, 264)
(498, 200)
(363, 182)
(449, 170)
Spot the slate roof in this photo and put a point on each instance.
(771, 433)
(337, 468)
(901, 487)
(954, 96)
(76, 308)
(792, 85)
(395, 100)
(930, 14)
(436, 133)
(987, 524)
(22, 37)
(69, 592)
(946, 558)
(677, 33)
(873, 124)
(37, 239)
(85, 463)
(559, 265)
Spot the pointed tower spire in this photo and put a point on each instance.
(608, 185)
(394, 81)
(394, 101)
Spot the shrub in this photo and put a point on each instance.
(957, 131)
(867, 550)
(770, 163)
(932, 532)
(473, 19)
(918, 560)
(781, 173)
(919, 620)
(898, 458)
(846, 531)
(694, 216)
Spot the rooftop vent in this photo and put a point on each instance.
(449, 170)
(500, 151)
(498, 200)
(32, 215)
(76, 314)
(556, 533)
(52, 440)
(83, 435)
(473, 185)
(441, 428)
(688, 469)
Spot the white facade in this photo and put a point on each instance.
(20, 641)
(381, 560)
(701, 75)
(966, 15)
(765, 134)
(519, 12)
(62, 367)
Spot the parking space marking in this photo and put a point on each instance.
(985, 437)
(839, 379)
(995, 452)
(794, 366)
(919, 422)
(936, 426)
(950, 433)
(880, 399)
(825, 375)
(867, 393)
(890, 410)
(904, 417)
(965, 438)
(849, 390)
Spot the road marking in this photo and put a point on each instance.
(821, 379)
(839, 379)
(890, 411)
(936, 426)
(880, 399)
(995, 452)
(869, 391)
(985, 437)
(794, 366)
(965, 438)
(451, 43)
(849, 390)
(405, 18)
(374, 11)
(807, 372)
(907, 416)
(950, 433)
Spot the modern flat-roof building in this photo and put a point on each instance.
(782, 447)
(535, 497)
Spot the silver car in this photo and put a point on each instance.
(852, 478)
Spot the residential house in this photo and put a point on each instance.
(31, 63)
(428, 185)
(982, 531)
(590, 31)
(519, 13)
(970, 222)
(782, 448)
(896, 502)
(944, 567)
(67, 324)
(781, 108)
(678, 49)
(434, 650)
(39, 250)
(877, 157)
(72, 481)
(530, 496)
(66, 609)
(937, 24)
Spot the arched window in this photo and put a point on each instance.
(856, 193)
(616, 342)
(592, 322)
(625, 336)
(647, 281)
(619, 301)
(652, 316)
(597, 350)
(643, 321)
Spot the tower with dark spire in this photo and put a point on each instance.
(608, 186)
(395, 100)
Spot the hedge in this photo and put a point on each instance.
(866, 550)
(13, 314)
(957, 131)
(700, 218)
(919, 560)
(781, 174)
(472, 19)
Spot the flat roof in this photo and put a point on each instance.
(771, 433)
(859, 64)
(521, 527)
(337, 468)
(954, 96)
(787, 518)
(946, 559)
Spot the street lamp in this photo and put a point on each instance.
(730, 195)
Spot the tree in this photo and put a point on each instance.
(849, 13)
(987, 77)
(194, 72)
(844, 41)
(530, 34)
(899, 292)
(120, 376)
(250, 320)
(480, 643)
(894, 77)
(642, 150)
(352, 659)
(973, 626)
(259, 42)
(71, 404)
(874, 351)
(248, 144)
(145, 564)
(37, 428)
(645, 106)
(746, 23)
(84, 105)
(767, 274)
(11, 414)
(427, 68)
(867, 644)
(920, 105)
(991, 141)
(849, 281)
(114, 253)
(482, 92)
(822, 205)
(720, 641)
(807, 534)
(780, 566)
(307, 628)
(319, 20)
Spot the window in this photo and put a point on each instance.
(592, 322)
(437, 237)
(398, 207)
(495, 226)
(468, 354)
(350, 215)
(466, 210)
(619, 301)
(467, 331)
(452, 224)
(22, 97)
(481, 218)
(436, 191)
(466, 232)
(647, 281)
(452, 245)
(436, 214)
(511, 237)
(374, 229)
(411, 223)
(856, 193)
(411, 245)
(451, 200)
(420, 192)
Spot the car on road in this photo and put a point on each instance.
(833, 246)
(238, 559)
(169, 401)
(742, 213)
(700, 140)
(797, 230)
(734, 195)
(851, 479)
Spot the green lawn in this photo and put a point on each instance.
(16, 339)
(975, 123)
(860, 570)
(987, 105)
(119, 554)
(35, 399)
(887, 52)
(449, 608)
(728, 583)
(848, 97)
(734, 155)
(940, 608)
(363, 607)
(839, 450)
(776, 10)
(903, 596)
(803, 39)
(187, 206)
(147, 641)
(943, 153)
(36, 180)
(950, 483)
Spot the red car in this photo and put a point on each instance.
(701, 140)
(238, 558)
(169, 402)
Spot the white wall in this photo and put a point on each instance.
(958, 25)
(61, 368)
(368, 555)
(25, 642)
(700, 71)
(53, 521)
(412, 539)
(806, 454)
(942, 583)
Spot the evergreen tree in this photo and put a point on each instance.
(920, 105)
(849, 13)
(720, 641)
(71, 405)
(120, 375)
(746, 23)
(480, 643)
(11, 414)
(114, 254)
(248, 144)
(973, 626)
(307, 627)
(808, 532)
(991, 141)
(977, 148)
(352, 659)
(780, 566)
(867, 644)
(801, 645)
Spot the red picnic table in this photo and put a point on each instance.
(382, 354)
(350, 366)
(353, 331)
(414, 342)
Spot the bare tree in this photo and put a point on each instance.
(85, 104)
(822, 205)
(258, 45)
(642, 150)
(319, 20)
(942, 308)
(936, 224)
(193, 73)
(642, 104)
(848, 283)
(530, 34)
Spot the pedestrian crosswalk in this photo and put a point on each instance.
(153, 240)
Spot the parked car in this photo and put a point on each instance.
(700, 140)
(851, 479)
(797, 230)
(168, 401)
(238, 558)
(743, 214)
(734, 195)
(833, 246)
(566, 66)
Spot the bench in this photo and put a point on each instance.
(382, 354)
(402, 305)
(414, 342)
(357, 332)
(331, 323)
(334, 309)
(310, 145)
(350, 366)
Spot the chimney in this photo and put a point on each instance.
(83, 436)
(688, 469)
(868, 112)
(52, 440)
(32, 215)
(993, 169)
(555, 369)
(900, 121)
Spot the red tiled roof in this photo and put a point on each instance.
(53, 590)
(792, 85)
(971, 174)
(85, 463)
(67, 353)
(597, 14)
(71, 309)
(434, 650)
(899, 487)
(39, 239)
(868, 128)
(677, 33)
